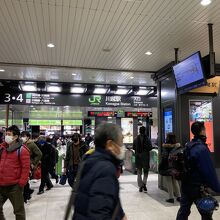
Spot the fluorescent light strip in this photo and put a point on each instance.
(142, 92)
(100, 90)
(77, 90)
(121, 92)
(29, 88)
(53, 88)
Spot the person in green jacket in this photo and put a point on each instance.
(35, 157)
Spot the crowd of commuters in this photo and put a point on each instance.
(91, 171)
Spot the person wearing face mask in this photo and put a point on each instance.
(14, 170)
(35, 157)
(202, 173)
(98, 193)
(74, 153)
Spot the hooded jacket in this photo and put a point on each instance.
(14, 166)
(98, 193)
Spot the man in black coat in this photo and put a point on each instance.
(202, 173)
(142, 147)
(98, 194)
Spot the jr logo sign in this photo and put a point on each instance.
(95, 100)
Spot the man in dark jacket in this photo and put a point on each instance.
(46, 159)
(98, 194)
(142, 147)
(74, 153)
(202, 172)
(14, 172)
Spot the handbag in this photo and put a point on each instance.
(37, 172)
(207, 203)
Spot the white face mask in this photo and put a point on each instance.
(121, 156)
(24, 139)
(9, 139)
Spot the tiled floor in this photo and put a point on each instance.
(138, 206)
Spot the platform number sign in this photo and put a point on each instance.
(9, 98)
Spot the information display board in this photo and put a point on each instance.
(201, 110)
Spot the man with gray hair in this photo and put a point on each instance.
(98, 193)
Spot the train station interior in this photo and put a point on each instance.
(68, 66)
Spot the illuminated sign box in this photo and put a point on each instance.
(73, 122)
(102, 114)
(44, 122)
(138, 114)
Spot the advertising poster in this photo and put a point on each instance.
(168, 121)
(202, 111)
(127, 130)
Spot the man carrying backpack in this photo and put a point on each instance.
(14, 172)
(201, 173)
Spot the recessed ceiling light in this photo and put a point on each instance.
(131, 77)
(2, 70)
(73, 74)
(148, 53)
(205, 2)
(50, 45)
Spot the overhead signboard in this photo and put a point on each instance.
(73, 122)
(77, 100)
(102, 114)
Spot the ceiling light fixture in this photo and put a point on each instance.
(77, 90)
(131, 77)
(2, 70)
(148, 53)
(29, 88)
(50, 45)
(142, 92)
(205, 2)
(53, 88)
(100, 90)
(121, 91)
(73, 74)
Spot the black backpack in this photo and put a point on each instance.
(180, 161)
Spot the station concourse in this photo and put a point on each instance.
(67, 66)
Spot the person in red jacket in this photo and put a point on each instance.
(14, 172)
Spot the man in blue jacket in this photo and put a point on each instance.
(98, 194)
(202, 172)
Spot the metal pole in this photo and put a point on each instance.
(7, 115)
(211, 44)
(176, 55)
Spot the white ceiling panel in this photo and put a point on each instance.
(81, 29)
(14, 72)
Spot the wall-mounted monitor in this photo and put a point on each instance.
(189, 73)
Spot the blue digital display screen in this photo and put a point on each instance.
(189, 73)
(168, 121)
